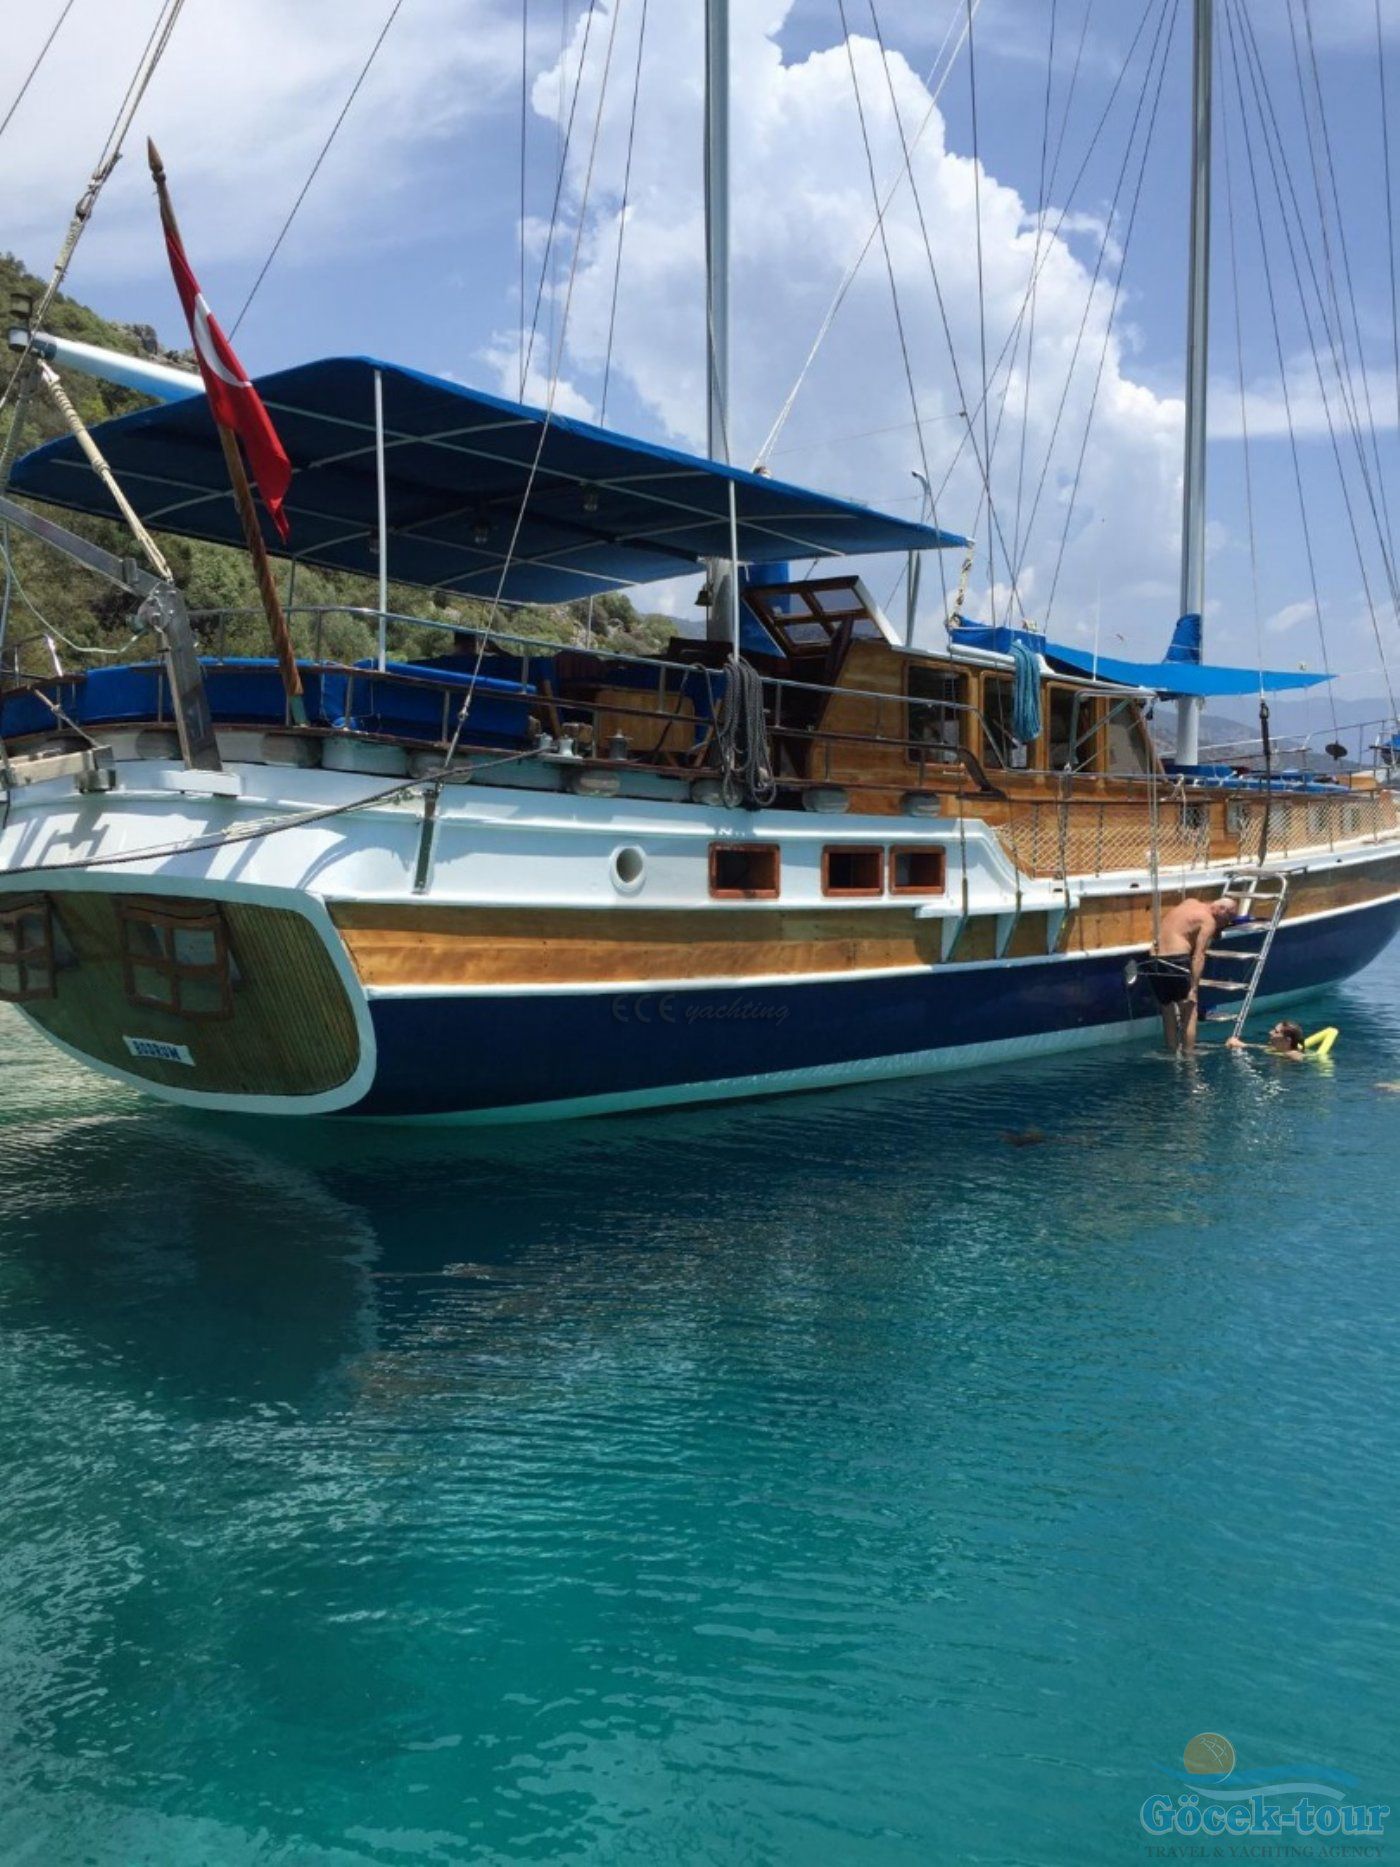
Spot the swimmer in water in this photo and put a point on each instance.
(1285, 1040)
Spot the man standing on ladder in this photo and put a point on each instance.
(1174, 970)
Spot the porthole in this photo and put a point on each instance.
(629, 869)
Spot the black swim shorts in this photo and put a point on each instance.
(1169, 975)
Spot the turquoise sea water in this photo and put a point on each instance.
(899, 1475)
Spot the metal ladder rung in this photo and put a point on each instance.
(1227, 985)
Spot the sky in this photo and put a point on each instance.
(1047, 246)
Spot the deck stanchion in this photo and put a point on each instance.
(383, 492)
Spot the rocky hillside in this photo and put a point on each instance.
(50, 597)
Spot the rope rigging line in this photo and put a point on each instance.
(1047, 188)
(151, 55)
(982, 315)
(1330, 273)
(1389, 208)
(1160, 46)
(1272, 298)
(1263, 106)
(969, 433)
(622, 216)
(557, 362)
(1275, 147)
(1235, 299)
(1040, 198)
(524, 152)
(1121, 73)
(849, 277)
(1112, 312)
(32, 73)
(566, 143)
(884, 234)
(315, 168)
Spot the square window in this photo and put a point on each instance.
(744, 871)
(851, 871)
(176, 957)
(27, 959)
(917, 871)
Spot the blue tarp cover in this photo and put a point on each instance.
(1200, 680)
(604, 511)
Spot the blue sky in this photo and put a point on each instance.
(408, 246)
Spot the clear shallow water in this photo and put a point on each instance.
(831, 1479)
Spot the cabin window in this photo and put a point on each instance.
(744, 871)
(1129, 754)
(999, 745)
(917, 871)
(851, 871)
(28, 962)
(176, 959)
(1071, 729)
(936, 703)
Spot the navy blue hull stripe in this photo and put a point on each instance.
(454, 1055)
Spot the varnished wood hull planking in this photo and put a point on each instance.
(401, 945)
(292, 1032)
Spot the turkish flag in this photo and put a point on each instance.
(234, 401)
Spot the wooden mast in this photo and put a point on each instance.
(243, 499)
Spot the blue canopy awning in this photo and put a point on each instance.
(603, 511)
(1169, 678)
(1199, 680)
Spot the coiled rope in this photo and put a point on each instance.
(741, 733)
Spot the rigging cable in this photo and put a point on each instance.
(524, 151)
(880, 224)
(1113, 301)
(849, 277)
(1389, 209)
(151, 56)
(315, 169)
(33, 69)
(1276, 149)
(1261, 98)
(622, 216)
(1166, 22)
(1344, 376)
(565, 144)
(1093, 143)
(1305, 527)
(548, 415)
(982, 315)
(1330, 274)
(969, 432)
(1040, 196)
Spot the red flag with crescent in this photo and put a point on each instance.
(233, 400)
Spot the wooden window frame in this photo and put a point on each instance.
(963, 709)
(36, 965)
(718, 851)
(169, 919)
(933, 851)
(874, 850)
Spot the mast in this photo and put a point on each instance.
(1193, 498)
(722, 621)
(717, 224)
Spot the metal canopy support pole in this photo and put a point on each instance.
(1193, 494)
(732, 581)
(383, 517)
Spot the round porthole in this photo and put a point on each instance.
(629, 868)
